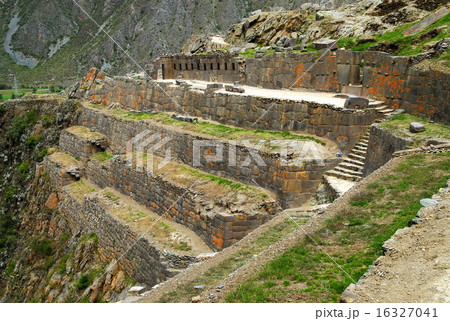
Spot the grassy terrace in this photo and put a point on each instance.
(407, 46)
(188, 176)
(399, 125)
(216, 130)
(353, 237)
(184, 292)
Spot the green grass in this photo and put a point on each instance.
(216, 130)
(103, 157)
(219, 180)
(248, 54)
(353, 237)
(184, 293)
(8, 93)
(399, 126)
(407, 45)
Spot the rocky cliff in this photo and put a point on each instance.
(41, 258)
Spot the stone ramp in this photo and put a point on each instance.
(426, 22)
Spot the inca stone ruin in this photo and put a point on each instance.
(162, 176)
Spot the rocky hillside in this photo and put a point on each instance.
(354, 24)
(41, 259)
(57, 41)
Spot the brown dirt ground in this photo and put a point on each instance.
(417, 268)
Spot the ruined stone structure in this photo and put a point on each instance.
(371, 74)
(191, 86)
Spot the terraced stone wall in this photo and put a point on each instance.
(373, 74)
(57, 173)
(137, 256)
(179, 203)
(427, 94)
(294, 182)
(80, 147)
(382, 145)
(342, 126)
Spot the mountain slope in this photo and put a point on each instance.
(64, 42)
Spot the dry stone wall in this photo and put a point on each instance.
(81, 147)
(217, 226)
(137, 256)
(343, 126)
(371, 74)
(382, 145)
(294, 182)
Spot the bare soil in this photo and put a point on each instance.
(417, 268)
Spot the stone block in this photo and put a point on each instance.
(354, 102)
(325, 43)
(416, 127)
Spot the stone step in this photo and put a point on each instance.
(350, 166)
(341, 169)
(362, 145)
(361, 148)
(341, 175)
(376, 104)
(386, 111)
(354, 161)
(339, 186)
(362, 153)
(365, 141)
(172, 272)
(381, 107)
(356, 157)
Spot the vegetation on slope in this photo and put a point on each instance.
(217, 130)
(399, 126)
(273, 234)
(353, 238)
(400, 45)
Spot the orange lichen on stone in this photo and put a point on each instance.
(52, 201)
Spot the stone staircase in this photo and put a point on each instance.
(351, 167)
(349, 171)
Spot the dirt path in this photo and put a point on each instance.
(416, 268)
(256, 262)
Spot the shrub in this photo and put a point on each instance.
(83, 282)
(10, 268)
(32, 141)
(20, 125)
(24, 169)
(43, 247)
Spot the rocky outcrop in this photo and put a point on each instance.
(267, 28)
